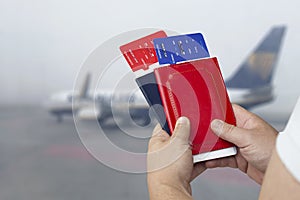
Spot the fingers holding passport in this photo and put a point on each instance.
(163, 150)
(254, 138)
(170, 159)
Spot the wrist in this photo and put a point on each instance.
(168, 188)
(164, 191)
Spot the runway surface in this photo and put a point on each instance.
(43, 159)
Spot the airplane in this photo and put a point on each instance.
(110, 105)
(80, 103)
(60, 104)
(250, 86)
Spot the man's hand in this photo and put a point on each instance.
(170, 163)
(255, 140)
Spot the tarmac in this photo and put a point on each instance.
(43, 159)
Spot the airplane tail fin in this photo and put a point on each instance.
(83, 93)
(257, 70)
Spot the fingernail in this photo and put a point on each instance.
(182, 120)
(217, 126)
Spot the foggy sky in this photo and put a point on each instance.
(44, 43)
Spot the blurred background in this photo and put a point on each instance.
(42, 47)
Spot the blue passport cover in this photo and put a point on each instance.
(149, 88)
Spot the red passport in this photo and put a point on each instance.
(196, 90)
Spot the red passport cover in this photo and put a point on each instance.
(196, 90)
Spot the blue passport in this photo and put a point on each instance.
(174, 49)
(148, 86)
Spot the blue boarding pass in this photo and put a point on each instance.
(174, 49)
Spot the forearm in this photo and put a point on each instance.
(278, 182)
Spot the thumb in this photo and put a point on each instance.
(182, 129)
(233, 134)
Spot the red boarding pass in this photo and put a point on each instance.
(140, 54)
